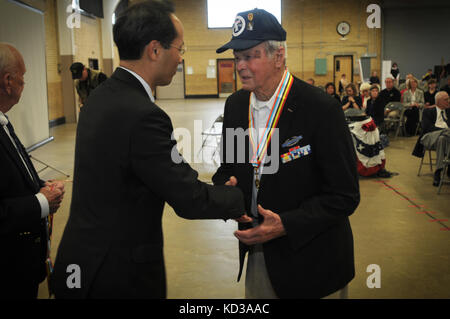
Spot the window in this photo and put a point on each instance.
(221, 13)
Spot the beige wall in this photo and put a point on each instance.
(310, 25)
(88, 41)
(54, 85)
(311, 34)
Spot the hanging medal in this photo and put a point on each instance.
(260, 150)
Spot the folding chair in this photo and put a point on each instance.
(396, 122)
(430, 161)
(213, 133)
(444, 176)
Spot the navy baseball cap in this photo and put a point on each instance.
(253, 27)
(77, 70)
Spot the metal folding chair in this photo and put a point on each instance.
(397, 122)
(444, 176)
(211, 137)
(431, 161)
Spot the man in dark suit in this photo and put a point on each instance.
(25, 200)
(436, 132)
(127, 167)
(300, 244)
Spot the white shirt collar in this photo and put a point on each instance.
(258, 105)
(3, 120)
(144, 84)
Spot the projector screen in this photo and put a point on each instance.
(23, 27)
(221, 13)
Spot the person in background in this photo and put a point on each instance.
(395, 72)
(428, 76)
(374, 79)
(413, 100)
(330, 89)
(311, 81)
(25, 199)
(430, 93)
(375, 105)
(390, 94)
(86, 80)
(365, 93)
(342, 84)
(436, 133)
(351, 99)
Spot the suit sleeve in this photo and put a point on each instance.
(155, 159)
(339, 192)
(19, 214)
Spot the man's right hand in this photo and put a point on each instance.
(244, 218)
(54, 197)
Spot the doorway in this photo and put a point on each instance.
(343, 64)
(176, 89)
(226, 79)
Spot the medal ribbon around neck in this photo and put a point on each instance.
(272, 122)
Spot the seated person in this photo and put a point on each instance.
(365, 93)
(374, 79)
(375, 105)
(413, 100)
(351, 100)
(404, 86)
(390, 94)
(436, 132)
(331, 90)
(430, 93)
(429, 75)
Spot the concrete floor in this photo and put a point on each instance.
(401, 224)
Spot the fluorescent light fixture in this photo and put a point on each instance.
(221, 13)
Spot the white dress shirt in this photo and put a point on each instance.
(43, 202)
(440, 120)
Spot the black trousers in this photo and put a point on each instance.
(412, 119)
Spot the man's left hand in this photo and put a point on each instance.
(271, 228)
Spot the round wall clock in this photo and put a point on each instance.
(343, 28)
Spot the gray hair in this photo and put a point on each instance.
(271, 46)
(439, 95)
(8, 61)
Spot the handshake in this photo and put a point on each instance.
(54, 192)
(271, 228)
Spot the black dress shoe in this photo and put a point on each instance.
(437, 177)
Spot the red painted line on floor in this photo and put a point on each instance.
(416, 205)
(438, 220)
(447, 228)
(426, 212)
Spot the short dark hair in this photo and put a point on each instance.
(330, 84)
(142, 23)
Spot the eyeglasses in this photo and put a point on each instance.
(182, 50)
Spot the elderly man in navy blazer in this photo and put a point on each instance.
(300, 243)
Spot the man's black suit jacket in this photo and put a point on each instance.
(123, 175)
(429, 117)
(314, 194)
(23, 239)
